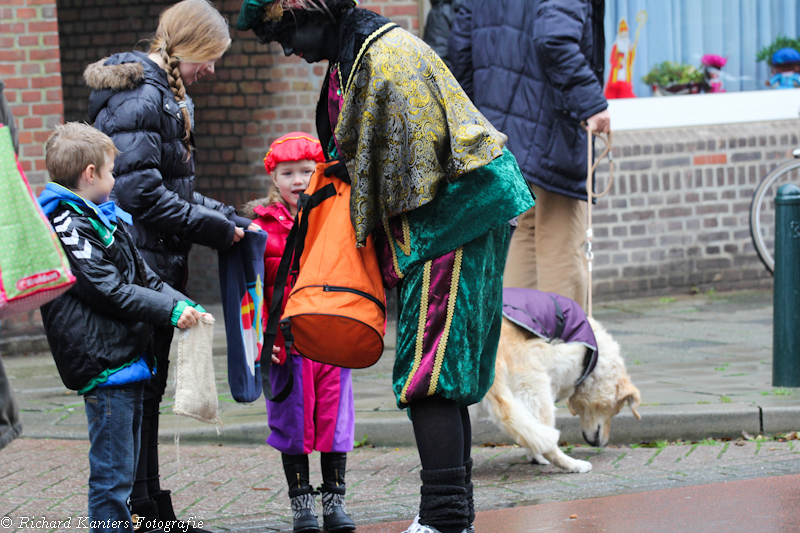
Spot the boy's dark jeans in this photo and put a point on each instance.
(115, 418)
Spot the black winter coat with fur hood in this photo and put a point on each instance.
(132, 103)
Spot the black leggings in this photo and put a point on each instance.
(147, 485)
(443, 432)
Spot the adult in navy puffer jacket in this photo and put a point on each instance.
(534, 68)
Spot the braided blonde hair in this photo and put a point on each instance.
(192, 31)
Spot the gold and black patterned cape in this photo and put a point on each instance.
(431, 175)
(405, 127)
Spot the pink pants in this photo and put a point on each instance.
(319, 414)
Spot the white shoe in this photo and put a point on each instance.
(416, 527)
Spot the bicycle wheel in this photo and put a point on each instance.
(757, 210)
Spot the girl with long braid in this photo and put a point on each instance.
(140, 101)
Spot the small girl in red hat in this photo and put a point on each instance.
(319, 413)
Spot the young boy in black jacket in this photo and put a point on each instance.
(100, 330)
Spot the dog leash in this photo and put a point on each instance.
(608, 138)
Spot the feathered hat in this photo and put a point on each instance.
(295, 146)
(255, 12)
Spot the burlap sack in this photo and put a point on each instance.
(195, 389)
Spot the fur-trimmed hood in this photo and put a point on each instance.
(99, 76)
(126, 71)
(248, 210)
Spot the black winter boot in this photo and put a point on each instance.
(334, 517)
(470, 489)
(443, 500)
(144, 517)
(304, 515)
(167, 514)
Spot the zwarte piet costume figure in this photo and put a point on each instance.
(432, 182)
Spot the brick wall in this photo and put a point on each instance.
(29, 66)
(677, 216)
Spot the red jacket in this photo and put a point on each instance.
(276, 220)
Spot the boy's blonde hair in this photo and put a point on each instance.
(74, 146)
(191, 31)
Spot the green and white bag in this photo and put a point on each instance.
(33, 267)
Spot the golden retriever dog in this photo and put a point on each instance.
(531, 375)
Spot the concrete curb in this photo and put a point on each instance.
(780, 419)
(689, 367)
(393, 428)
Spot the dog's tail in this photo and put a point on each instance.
(516, 421)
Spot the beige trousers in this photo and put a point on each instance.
(546, 251)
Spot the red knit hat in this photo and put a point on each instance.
(295, 146)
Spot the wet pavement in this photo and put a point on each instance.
(242, 488)
(703, 509)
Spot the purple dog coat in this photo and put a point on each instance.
(552, 316)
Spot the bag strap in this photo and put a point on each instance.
(304, 205)
(290, 264)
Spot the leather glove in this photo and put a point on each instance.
(339, 170)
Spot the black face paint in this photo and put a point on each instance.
(306, 41)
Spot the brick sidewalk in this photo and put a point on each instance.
(234, 488)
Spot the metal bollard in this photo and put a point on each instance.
(786, 291)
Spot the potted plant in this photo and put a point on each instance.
(670, 78)
(783, 58)
(781, 41)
